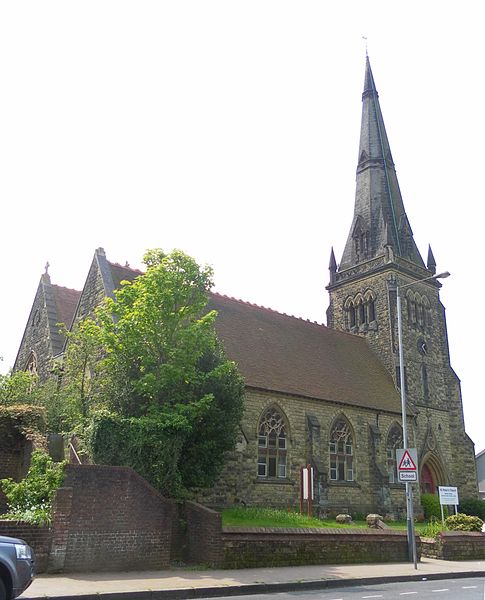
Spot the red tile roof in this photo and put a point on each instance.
(66, 302)
(284, 354)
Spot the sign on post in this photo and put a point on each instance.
(306, 488)
(448, 496)
(407, 464)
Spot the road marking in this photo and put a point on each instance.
(407, 593)
(443, 590)
(468, 587)
(378, 596)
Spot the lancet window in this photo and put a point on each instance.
(272, 445)
(341, 450)
(360, 311)
(393, 442)
(418, 310)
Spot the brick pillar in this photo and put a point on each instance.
(61, 511)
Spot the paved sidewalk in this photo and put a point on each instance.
(180, 583)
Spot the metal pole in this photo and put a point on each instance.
(409, 490)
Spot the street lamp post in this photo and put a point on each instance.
(409, 489)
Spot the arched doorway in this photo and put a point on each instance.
(428, 485)
(431, 476)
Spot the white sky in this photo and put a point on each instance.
(230, 130)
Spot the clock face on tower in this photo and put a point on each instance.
(422, 346)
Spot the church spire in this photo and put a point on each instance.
(380, 221)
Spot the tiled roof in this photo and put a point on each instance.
(66, 302)
(284, 354)
(120, 273)
(280, 353)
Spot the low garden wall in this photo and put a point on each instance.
(272, 547)
(39, 538)
(455, 545)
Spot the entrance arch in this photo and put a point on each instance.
(432, 475)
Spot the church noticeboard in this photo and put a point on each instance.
(448, 495)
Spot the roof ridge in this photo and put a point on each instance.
(267, 309)
(63, 287)
(128, 268)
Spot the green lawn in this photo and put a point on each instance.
(269, 517)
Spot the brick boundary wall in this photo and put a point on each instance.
(109, 519)
(39, 538)
(272, 547)
(455, 545)
(204, 535)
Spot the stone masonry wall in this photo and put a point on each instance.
(239, 482)
(272, 547)
(438, 429)
(109, 518)
(455, 545)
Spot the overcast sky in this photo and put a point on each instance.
(230, 130)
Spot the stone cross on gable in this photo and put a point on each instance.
(47, 265)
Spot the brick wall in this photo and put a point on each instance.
(271, 547)
(456, 545)
(39, 538)
(204, 535)
(109, 518)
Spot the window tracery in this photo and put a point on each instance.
(393, 442)
(360, 311)
(418, 310)
(272, 444)
(341, 451)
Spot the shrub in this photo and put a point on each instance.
(30, 499)
(461, 522)
(473, 507)
(432, 528)
(431, 506)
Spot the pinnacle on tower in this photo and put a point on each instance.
(431, 263)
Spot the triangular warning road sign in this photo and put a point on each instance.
(407, 463)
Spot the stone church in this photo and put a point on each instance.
(324, 395)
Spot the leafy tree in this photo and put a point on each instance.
(165, 372)
(30, 499)
(18, 388)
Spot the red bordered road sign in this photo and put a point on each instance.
(407, 464)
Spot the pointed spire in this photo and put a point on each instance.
(369, 84)
(431, 263)
(332, 266)
(378, 200)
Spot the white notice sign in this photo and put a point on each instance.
(448, 495)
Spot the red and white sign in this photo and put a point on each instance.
(407, 464)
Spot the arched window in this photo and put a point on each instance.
(32, 365)
(424, 379)
(371, 309)
(341, 451)
(361, 313)
(272, 444)
(394, 441)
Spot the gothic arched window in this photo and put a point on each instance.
(272, 444)
(341, 450)
(425, 382)
(393, 442)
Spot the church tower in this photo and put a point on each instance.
(379, 255)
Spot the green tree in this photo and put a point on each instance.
(18, 388)
(164, 366)
(30, 499)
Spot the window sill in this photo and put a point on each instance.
(354, 484)
(274, 480)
